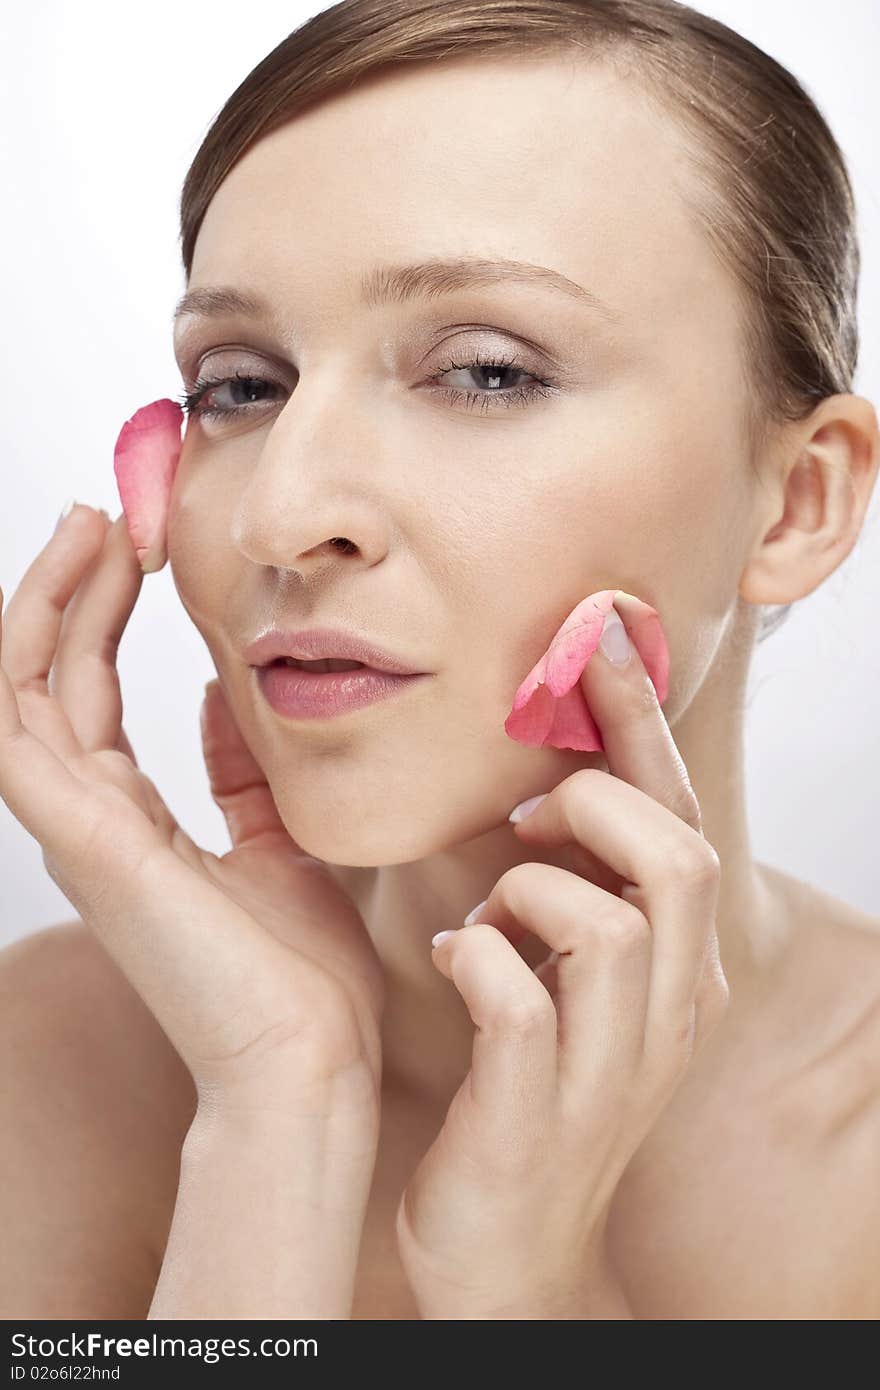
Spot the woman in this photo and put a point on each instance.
(642, 1082)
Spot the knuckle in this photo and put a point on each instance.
(584, 777)
(517, 885)
(622, 926)
(694, 862)
(528, 1012)
(517, 876)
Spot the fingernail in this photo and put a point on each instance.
(614, 641)
(474, 914)
(525, 808)
(441, 936)
(65, 511)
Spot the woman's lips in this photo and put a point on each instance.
(549, 709)
(302, 694)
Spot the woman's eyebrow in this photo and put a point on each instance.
(399, 283)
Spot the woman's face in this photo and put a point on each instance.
(482, 506)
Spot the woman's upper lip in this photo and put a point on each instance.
(317, 643)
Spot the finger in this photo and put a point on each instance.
(50, 800)
(85, 678)
(238, 783)
(30, 765)
(638, 744)
(32, 624)
(674, 869)
(119, 874)
(603, 969)
(513, 1069)
(39, 788)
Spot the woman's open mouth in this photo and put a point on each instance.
(324, 689)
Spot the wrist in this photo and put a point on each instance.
(284, 1105)
(316, 1140)
(269, 1214)
(592, 1290)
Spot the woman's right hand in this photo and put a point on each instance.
(256, 964)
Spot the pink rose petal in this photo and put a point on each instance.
(145, 461)
(549, 708)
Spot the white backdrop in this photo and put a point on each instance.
(103, 107)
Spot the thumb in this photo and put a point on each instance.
(238, 783)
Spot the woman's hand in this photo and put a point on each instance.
(574, 1061)
(256, 964)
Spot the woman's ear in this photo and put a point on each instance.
(818, 482)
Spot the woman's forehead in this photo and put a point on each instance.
(570, 166)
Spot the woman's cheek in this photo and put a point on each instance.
(204, 573)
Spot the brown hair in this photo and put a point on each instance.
(775, 197)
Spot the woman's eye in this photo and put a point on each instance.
(493, 377)
(193, 401)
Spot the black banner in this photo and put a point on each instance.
(252, 1353)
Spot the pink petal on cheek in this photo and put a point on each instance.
(145, 460)
(549, 708)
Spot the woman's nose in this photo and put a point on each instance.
(299, 536)
(304, 504)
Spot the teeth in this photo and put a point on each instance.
(326, 664)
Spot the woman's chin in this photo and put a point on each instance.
(357, 846)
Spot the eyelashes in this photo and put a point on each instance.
(191, 401)
(493, 366)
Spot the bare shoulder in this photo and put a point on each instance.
(756, 1194)
(833, 933)
(843, 1085)
(94, 1106)
(846, 943)
(833, 976)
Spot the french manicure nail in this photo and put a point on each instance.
(474, 914)
(441, 936)
(525, 808)
(65, 511)
(614, 641)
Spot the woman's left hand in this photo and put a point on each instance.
(573, 1062)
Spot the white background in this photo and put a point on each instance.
(103, 107)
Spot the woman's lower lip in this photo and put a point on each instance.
(299, 694)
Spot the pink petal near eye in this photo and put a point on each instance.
(549, 708)
(145, 461)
